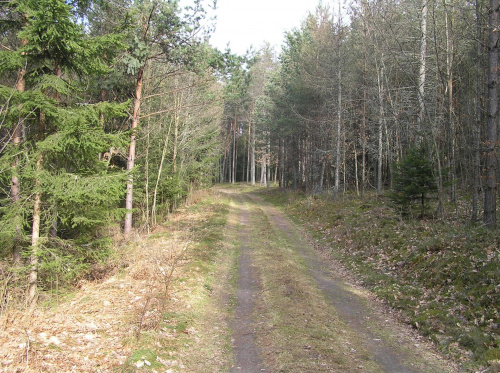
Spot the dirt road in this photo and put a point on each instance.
(295, 312)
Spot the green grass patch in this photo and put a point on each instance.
(144, 360)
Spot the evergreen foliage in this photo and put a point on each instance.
(63, 135)
(413, 180)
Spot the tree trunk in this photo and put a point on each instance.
(268, 162)
(158, 176)
(263, 170)
(279, 163)
(422, 73)
(35, 227)
(339, 107)
(344, 163)
(53, 227)
(233, 168)
(230, 157)
(252, 160)
(296, 166)
(322, 175)
(15, 189)
(356, 178)
(282, 175)
(35, 241)
(339, 124)
(224, 165)
(440, 209)
(450, 50)
(146, 169)
(389, 158)
(178, 104)
(476, 165)
(490, 191)
(244, 167)
(249, 145)
(380, 145)
(365, 94)
(363, 140)
(131, 152)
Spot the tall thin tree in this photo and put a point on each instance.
(490, 191)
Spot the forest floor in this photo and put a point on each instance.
(228, 284)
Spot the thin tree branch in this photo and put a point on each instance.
(183, 107)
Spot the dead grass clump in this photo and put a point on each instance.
(197, 196)
(98, 272)
(156, 267)
(12, 288)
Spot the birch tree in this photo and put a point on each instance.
(163, 34)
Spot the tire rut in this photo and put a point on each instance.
(363, 316)
(247, 353)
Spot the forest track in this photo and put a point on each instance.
(306, 317)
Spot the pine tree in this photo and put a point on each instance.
(165, 34)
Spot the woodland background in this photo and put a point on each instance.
(114, 111)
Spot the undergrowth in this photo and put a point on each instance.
(443, 276)
(188, 303)
(63, 265)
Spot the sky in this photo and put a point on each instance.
(243, 23)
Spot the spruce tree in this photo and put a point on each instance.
(66, 191)
(413, 180)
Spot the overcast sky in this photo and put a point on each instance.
(243, 23)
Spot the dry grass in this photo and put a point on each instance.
(156, 269)
(144, 310)
(10, 291)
